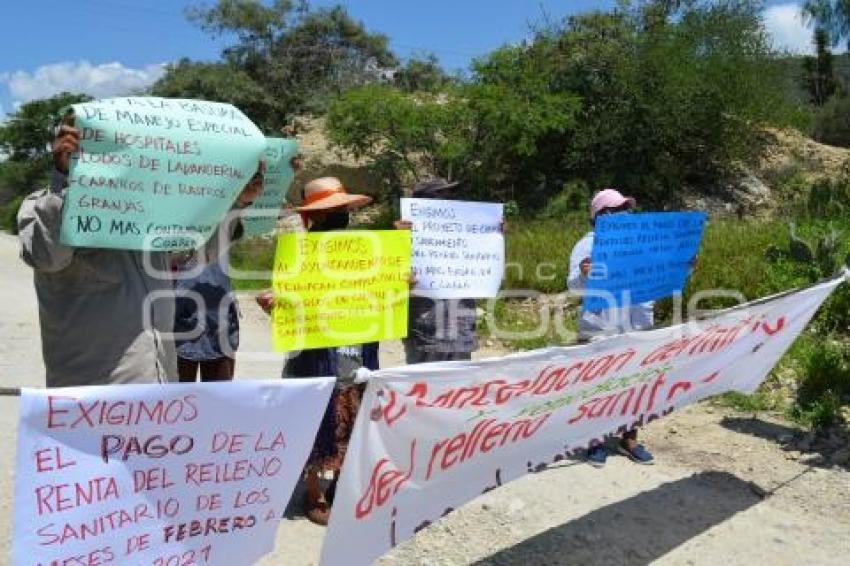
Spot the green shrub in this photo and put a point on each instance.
(829, 198)
(824, 381)
(573, 198)
(512, 209)
(827, 369)
(834, 315)
(253, 254)
(832, 123)
(822, 412)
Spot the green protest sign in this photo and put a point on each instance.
(156, 173)
(261, 217)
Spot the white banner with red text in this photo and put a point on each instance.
(432, 437)
(161, 475)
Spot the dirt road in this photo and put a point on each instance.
(726, 488)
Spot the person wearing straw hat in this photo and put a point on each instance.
(606, 322)
(325, 206)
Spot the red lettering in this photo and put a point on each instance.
(456, 444)
(47, 456)
(52, 411)
(780, 324)
(383, 484)
(680, 385)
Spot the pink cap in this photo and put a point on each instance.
(609, 198)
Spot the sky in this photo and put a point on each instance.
(111, 47)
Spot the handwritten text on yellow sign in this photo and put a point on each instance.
(340, 288)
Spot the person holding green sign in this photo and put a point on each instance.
(105, 314)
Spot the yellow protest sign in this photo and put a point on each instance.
(340, 288)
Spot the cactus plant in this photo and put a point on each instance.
(822, 258)
(800, 249)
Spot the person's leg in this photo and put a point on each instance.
(312, 487)
(428, 357)
(219, 369)
(414, 354)
(597, 455)
(316, 507)
(630, 447)
(459, 356)
(187, 370)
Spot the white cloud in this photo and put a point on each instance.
(109, 79)
(789, 31)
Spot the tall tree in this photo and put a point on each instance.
(421, 74)
(831, 15)
(222, 82)
(652, 97)
(298, 57)
(819, 74)
(25, 139)
(28, 131)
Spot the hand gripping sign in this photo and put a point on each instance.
(261, 217)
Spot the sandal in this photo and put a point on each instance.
(316, 511)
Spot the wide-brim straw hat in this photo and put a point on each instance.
(326, 193)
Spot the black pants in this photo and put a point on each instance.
(414, 355)
(219, 369)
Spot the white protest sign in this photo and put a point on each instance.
(161, 475)
(458, 247)
(432, 437)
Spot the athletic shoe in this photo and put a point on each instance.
(638, 454)
(597, 456)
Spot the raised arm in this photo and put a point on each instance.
(40, 215)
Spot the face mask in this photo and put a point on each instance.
(333, 221)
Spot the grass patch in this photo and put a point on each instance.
(824, 383)
(537, 252)
(527, 324)
(758, 401)
(253, 255)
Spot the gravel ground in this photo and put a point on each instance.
(726, 488)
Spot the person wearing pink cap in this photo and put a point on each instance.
(597, 324)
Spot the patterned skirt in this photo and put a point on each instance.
(338, 421)
(336, 428)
